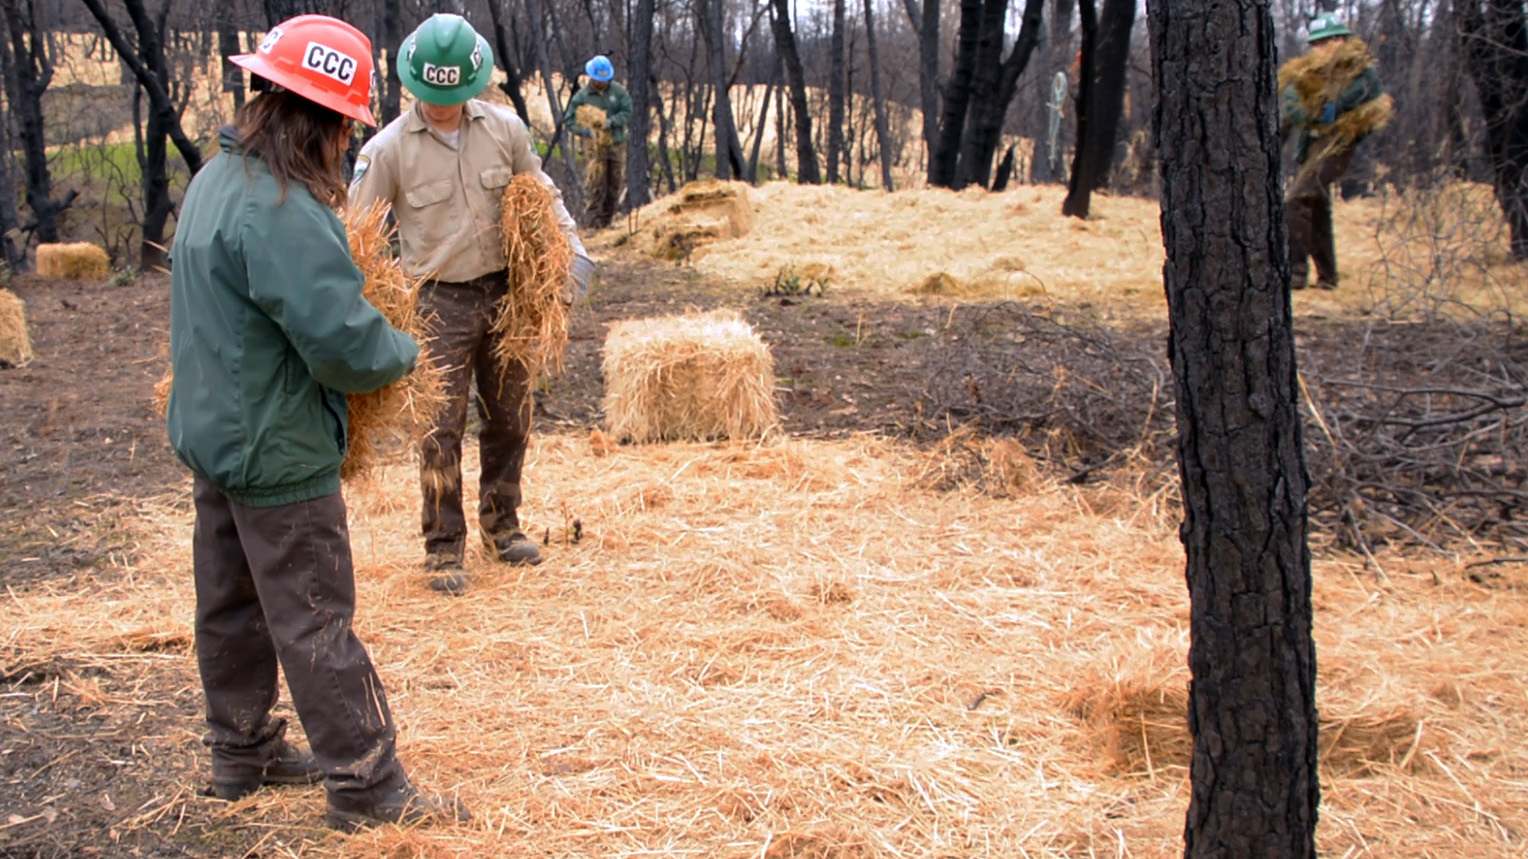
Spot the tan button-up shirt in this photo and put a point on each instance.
(447, 201)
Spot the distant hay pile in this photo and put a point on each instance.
(15, 345)
(533, 320)
(401, 413)
(1319, 77)
(704, 212)
(701, 376)
(593, 118)
(76, 261)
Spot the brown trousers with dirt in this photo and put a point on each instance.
(462, 316)
(275, 586)
(1308, 208)
(604, 181)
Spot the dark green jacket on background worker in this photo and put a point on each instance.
(614, 101)
(269, 339)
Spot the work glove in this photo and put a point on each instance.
(1329, 114)
(583, 132)
(579, 275)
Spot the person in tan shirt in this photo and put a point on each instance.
(443, 167)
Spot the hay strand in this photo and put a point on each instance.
(699, 376)
(532, 325)
(74, 261)
(392, 418)
(15, 345)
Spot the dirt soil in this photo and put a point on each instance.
(81, 446)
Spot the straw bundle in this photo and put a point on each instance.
(1319, 77)
(532, 325)
(404, 411)
(15, 346)
(702, 376)
(704, 212)
(77, 261)
(593, 118)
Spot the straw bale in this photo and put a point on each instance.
(74, 261)
(532, 324)
(699, 376)
(702, 212)
(15, 345)
(390, 420)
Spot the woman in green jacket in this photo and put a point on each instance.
(268, 333)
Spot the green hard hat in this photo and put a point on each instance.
(1326, 27)
(445, 61)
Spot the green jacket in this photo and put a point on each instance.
(268, 333)
(614, 101)
(1364, 89)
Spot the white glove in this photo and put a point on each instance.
(579, 275)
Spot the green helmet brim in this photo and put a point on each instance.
(445, 96)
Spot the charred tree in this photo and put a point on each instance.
(1495, 40)
(511, 83)
(1252, 705)
(957, 93)
(277, 11)
(924, 19)
(878, 96)
(392, 38)
(640, 86)
(795, 75)
(1100, 99)
(729, 149)
(990, 110)
(29, 71)
(838, 149)
(228, 46)
(145, 57)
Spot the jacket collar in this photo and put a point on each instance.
(471, 109)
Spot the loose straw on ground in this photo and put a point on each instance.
(401, 413)
(533, 320)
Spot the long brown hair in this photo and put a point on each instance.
(299, 140)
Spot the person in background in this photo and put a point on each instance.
(1335, 78)
(268, 333)
(443, 166)
(607, 171)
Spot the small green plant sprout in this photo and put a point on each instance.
(797, 280)
(125, 276)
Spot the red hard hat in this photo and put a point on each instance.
(322, 59)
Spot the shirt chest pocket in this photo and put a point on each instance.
(428, 194)
(495, 178)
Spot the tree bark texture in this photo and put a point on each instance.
(795, 75)
(877, 94)
(640, 87)
(1111, 62)
(838, 149)
(1495, 37)
(1252, 712)
(511, 84)
(984, 86)
(228, 46)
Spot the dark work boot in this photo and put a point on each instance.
(404, 806)
(449, 577)
(514, 549)
(234, 781)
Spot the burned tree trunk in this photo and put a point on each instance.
(729, 149)
(228, 46)
(29, 70)
(989, 114)
(957, 95)
(1252, 699)
(877, 94)
(640, 86)
(838, 149)
(511, 83)
(785, 43)
(1100, 99)
(1495, 36)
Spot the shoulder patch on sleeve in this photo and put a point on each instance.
(362, 164)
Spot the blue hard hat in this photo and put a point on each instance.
(600, 68)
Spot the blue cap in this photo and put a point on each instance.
(600, 68)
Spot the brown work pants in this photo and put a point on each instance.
(275, 586)
(603, 183)
(462, 316)
(1308, 208)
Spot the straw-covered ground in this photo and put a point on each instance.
(828, 644)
